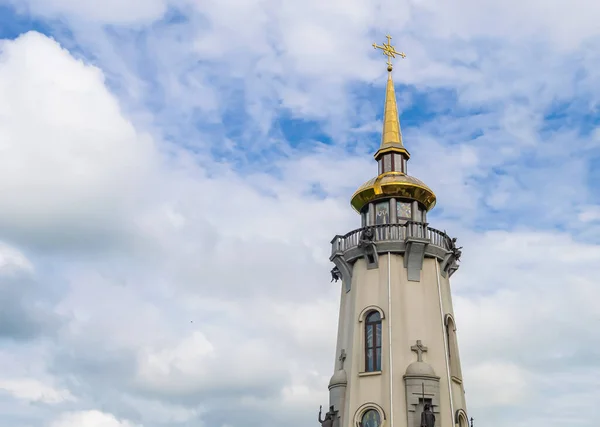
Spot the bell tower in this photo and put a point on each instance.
(397, 362)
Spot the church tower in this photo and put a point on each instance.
(397, 362)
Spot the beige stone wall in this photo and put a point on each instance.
(415, 315)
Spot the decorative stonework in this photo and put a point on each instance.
(335, 274)
(369, 309)
(342, 359)
(413, 257)
(366, 243)
(460, 418)
(422, 387)
(367, 407)
(450, 263)
(330, 418)
(419, 348)
(413, 239)
(392, 238)
(344, 270)
(337, 387)
(415, 390)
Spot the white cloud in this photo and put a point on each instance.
(72, 166)
(90, 419)
(157, 411)
(185, 364)
(589, 214)
(562, 24)
(24, 311)
(32, 390)
(13, 261)
(504, 384)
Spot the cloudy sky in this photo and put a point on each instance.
(172, 172)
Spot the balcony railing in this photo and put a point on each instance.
(392, 232)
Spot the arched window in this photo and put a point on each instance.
(371, 418)
(461, 418)
(373, 342)
(449, 340)
(452, 343)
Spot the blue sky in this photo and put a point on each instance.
(14, 24)
(171, 169)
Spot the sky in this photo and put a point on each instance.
(172, 173)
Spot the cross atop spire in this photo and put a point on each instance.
(389, 51)
(391, 136)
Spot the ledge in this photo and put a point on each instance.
(421, 377)
(457, 380)
(369, 374)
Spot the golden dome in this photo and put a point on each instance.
(393, 184)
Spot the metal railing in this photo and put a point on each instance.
(392, 232)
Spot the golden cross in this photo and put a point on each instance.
(389, 51)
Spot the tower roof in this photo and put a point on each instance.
(392, 182)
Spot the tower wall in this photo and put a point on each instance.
(415, 314)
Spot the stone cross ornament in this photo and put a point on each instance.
(342, 358)
(419, 349)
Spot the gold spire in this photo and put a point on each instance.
(391, 124)
(391, 137)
